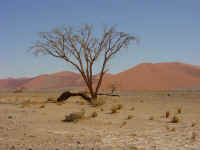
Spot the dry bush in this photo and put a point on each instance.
(42, 106)
(179, 110)
(173, 129)
(123, 124)
(94, 114)
(175, 119)
(102, 109)
(167, 114)
(194, 124)
(60, 103)
(74, 117)
(26, 103)
(98, 102)
(129, 117)
(132, 108)
(194, 136)
(170, 129)
(119, 106)
(167, 127)
(82, 102)
(114, 109)
(19, 90)
(151, 118)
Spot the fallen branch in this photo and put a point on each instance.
(109, 94)
(64, 96)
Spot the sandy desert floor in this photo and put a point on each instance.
(28, 123)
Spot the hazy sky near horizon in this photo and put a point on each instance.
(168, 30)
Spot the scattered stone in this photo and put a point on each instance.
(74, 116)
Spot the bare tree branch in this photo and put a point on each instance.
(82, 49)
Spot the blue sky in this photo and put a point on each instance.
(169, 30)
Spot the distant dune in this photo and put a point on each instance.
(159, 76)
(146, 76)
(12, 83)
(55, 81)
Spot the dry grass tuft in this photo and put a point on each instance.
(123, 124)
(98, 102)
(82, 102)
(170, 129)
(151, 118)
(114, 109)
(179, 110)
(19, 90)
(60, 103)
(194, 124)
(129, 117)
(119, 106)
(194, 136)
(94, 114)
(26, 104)
(173, 129)
(42, 106)
(167, 114)
(175, 119)
(132, 108)
(167, 127)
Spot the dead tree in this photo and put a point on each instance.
(113, 87)
(82, 49)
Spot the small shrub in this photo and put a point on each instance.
(102, 109)
(10, 117)
(42, 106)
(26, 104)
(60, 103)
(173, 129)
(151, 118)
(167, 114)
(98, 102)
(114, 109)
(119, 106)
(129, 117)
(132, 108)
(179, 111)
(94, 114)
(194, 124)
(123, 124)
(194, 136)
(175, 119)
(82, 102)
(19, 90)
(168, 128)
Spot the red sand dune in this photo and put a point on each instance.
(12, 83)
(160, 76)
(55, 81)
(146, 76)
